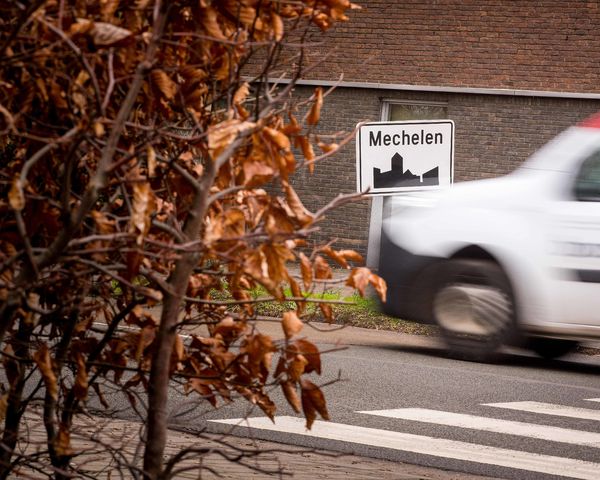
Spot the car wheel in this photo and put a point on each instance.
(551, 347)
(473, 304)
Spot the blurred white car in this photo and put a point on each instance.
(503, 260)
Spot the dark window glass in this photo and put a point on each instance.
(587, 183)
(401, 112)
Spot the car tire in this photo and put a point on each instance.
(551, 347)
(473, 304)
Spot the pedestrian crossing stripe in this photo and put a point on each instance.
(495, 425)
(550, 409)
(426, 445)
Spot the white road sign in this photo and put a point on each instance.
(394, 157)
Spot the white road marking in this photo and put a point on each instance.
(509, 427)
(592, 399)
(550, 409)
(437, 447)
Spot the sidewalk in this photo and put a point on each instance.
(120, 440)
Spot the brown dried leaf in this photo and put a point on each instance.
(316, 397)
(277, 255)
(313, 401)
(200, 282)
(256, 172)
(278, 138)
(103, 223)
(193, 75)
(144, 205)
(16, 197)
(58, 95)
(42, 88)
(297, 292)
(293, 127)
(379, 285)
(315, 112)
(248, 16)
(224, 133)
(297, 367)
(98, 128)
(259, 349)
(211, 24)
(255, 265)
(199, 386)
(306, 270)
(310, 412)
(44, 363)
(82, 77)
(165, 85)
(322, 20)
(266, 405)
(322, 269)
(280, 369)
(311, 353)
(4, 403)
(278, 28)
(230, 224)
(108, 8)
(106, 34)
(307, 148)
(361, 277)
(351, 255)
(80, 387)
(229, 330)
(234, 223)
(335, 256)
(279, 218)
(291, 395)
(151, 161)
(300, 212)
(241, 93)
(80, 27)
(328, 147)
(291, 324)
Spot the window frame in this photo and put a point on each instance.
(386, 104)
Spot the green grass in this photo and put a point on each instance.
(366, 313)
(363, 312)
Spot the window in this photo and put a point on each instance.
(395, 111)
(587, 183)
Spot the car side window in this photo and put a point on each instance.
(587, 182)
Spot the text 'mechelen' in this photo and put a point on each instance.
(376, 139)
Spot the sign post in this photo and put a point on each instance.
(396, 157)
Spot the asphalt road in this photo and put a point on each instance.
(386, 374)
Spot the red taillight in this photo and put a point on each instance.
(591, 122)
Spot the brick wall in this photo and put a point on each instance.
(494, 134)
(548, 45)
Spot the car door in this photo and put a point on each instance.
(575, 252)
